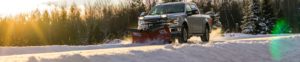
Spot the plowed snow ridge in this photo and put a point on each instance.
(231, 48)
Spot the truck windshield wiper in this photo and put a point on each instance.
(172, 12)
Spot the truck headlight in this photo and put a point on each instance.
(141, 18)
(163, 16)
(173, 21)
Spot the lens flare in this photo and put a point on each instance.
(275, 50)
(8, 34)
(276, 46)
(39, 33)
(281, 26)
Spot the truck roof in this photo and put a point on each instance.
(171, 3)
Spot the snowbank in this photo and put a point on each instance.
(282, 49)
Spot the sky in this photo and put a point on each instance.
(13, 7)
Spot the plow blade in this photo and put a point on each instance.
(158, 36)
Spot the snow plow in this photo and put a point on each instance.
(159, 35)
(169, 21)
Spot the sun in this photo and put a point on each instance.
(14, 7)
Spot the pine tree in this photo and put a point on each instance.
(267, 18)
(250, 11)
(256, 15)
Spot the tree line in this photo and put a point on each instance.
(100, 21)
(254, 16)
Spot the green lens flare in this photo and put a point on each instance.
(280, 27)
(276, 46)
(275, 50)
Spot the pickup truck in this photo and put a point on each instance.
(183, 19)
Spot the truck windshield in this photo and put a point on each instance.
(165, 9)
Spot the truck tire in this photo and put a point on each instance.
(183, 37)
(205, 36)
(172, 40)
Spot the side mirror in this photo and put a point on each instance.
(143, 14)
(195, 12)
(189, 13)
(192, 12)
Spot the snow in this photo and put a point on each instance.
(239, 48)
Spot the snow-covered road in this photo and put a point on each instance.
(230, 48)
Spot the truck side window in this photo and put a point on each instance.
(188, 8)
(194, 7)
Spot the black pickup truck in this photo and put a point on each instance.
(183, 19)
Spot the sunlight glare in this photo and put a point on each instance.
(14, 7)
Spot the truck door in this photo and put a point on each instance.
(194, 20)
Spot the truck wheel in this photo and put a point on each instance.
(183, 35)
(172, 40)
(205, 37)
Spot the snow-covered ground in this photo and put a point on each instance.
(232, 47)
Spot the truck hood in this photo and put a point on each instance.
(158, 17)
(152, 17)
